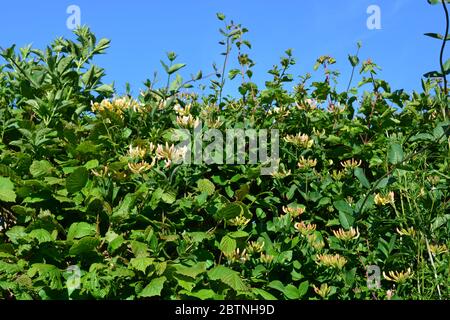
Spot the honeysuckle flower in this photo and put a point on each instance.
(381, 200)
(337, 175)
(266, 258)
(398, 276)
(410, 232)
(323, 291)
(186, 111)
(351, 164)
(281, 111)
(320, 134)
(141, 167)
(300, 140)
(239, 221)
(170, 153)
(117, 105)
(337, 109)
(294, 212)
(101, 173)
(305, 229)
(329, 260)
(255, 247)
(306, 163)
(437, 249)
(307, 105)
(238, 256)
(315, 242)
(346, 235)
(136, 152)
(188, 121)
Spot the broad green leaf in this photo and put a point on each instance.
(395, 154)
(77, 180)
(154, 288)
(227, 245)
(230, 211)
(79, 230)
(227, 276)
(205, 185)
(7, 193)
(141, 263)
(39, 169)
(84, 245)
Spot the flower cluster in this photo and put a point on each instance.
(300, 140)
(329, 260)
(117, 105)
(381, 200)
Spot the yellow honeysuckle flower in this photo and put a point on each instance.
(348, 235)
(329, 260)
(398, 276)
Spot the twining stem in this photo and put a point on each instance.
(447, 22)
(227, 53)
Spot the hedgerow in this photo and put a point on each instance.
(94, 204)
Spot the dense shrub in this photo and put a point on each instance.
(88, 183)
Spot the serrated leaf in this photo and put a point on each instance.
(39, 169)
(205, 185)
(227, 276)
(141, 263)
(227, 245)
(154, 288)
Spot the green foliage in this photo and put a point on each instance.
(88, 180)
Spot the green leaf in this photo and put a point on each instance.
(227, 245)
(264, 294)
(227, 276)
(141, 263)
(176, 67)
(220, 16)
(205, 185)
(154, 288)
(80, 230)
(41, 235)
(343, 206)
(303, 288)
(395, 154)
(359, 173)
(191, 271)
(7, 193)
(77, 180)
(291, 292)
(230, 211)
(85, 245)
(39, 169)
(346, 219)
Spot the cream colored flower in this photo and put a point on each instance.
(306, 163)
(329, 260)
(315, 242)
(344, 235)
(300, 140)
(266, 258)
(294, 212)
(188, 121)
(307, 105)
(305, 229)
(323, 291)
(381, 200)
(410, 232)
(351, 164)
(136, 152)
(255, 247)
(239, 221)
(102, 173)
(438, 249)
(238, 256)
(337, 175)
(141, 167)
(398, 277)
(170, 153)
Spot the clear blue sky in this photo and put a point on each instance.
(142, 31)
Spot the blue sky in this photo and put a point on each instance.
(142, 31)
